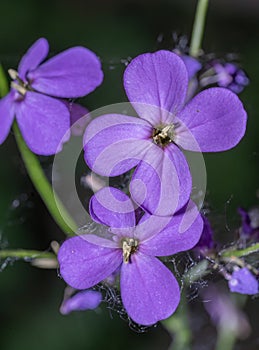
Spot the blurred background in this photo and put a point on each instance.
(115, 30)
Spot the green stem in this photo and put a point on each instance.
(225, 339)
(178, 327)
(42, 185)
(198, 27)
(26, 254)
(38, 178)
(240, 252)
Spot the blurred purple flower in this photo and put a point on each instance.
(156, 84)
(43, 119)
(225, 74)
(224, 313)
(83, 300)
(149, 290)
(250, 222)
(231, 76)
(243, 281)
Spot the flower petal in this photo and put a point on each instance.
(182, 233)
(115, 143)
(215, 118)
(82, 264)
(161, 184)
(158, 79)
(149, 290)
(243, 281)
(43, 121)
(113, 208)
(6, 115)
(72, 73)
(85, 300)
(33, 57)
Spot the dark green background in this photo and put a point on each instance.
(115, 30)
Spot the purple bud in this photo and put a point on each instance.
(206, 241)
(85, 300)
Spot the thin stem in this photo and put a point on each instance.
(38, 178)
(240, 252)
(26, 254)
(198, 27)
(225, 340)
(42, 185)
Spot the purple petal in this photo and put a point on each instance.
(83, 265)
(86, 300)
(33, 57)
(114, 143)
(150, 225)
(72, 73)
(216, 118)
(243, 281)
(158, 79)
(162, 183)
(6, 115)
(112, 207)
(43, 121)
(181, 233)
(149, 290)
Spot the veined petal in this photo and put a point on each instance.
(149, 291)
(83, 265)
(33, 57)
(114, 144)
(159, 79)
(182, 233)
(215, 119)
(72, 73)
(113, 208)
(6, 115)
(161, 184)
(43, 122)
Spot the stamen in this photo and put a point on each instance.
(164, 135)
(129, 246)
(21, 89)
(13, 74)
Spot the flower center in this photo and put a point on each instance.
(129, 246)
(164, 135)
(18, 84)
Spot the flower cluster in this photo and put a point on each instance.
(158, 219)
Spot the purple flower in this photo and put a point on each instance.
(243, 281)
(42, 119)
(149, 290)
(156, 84)
(83, 300)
